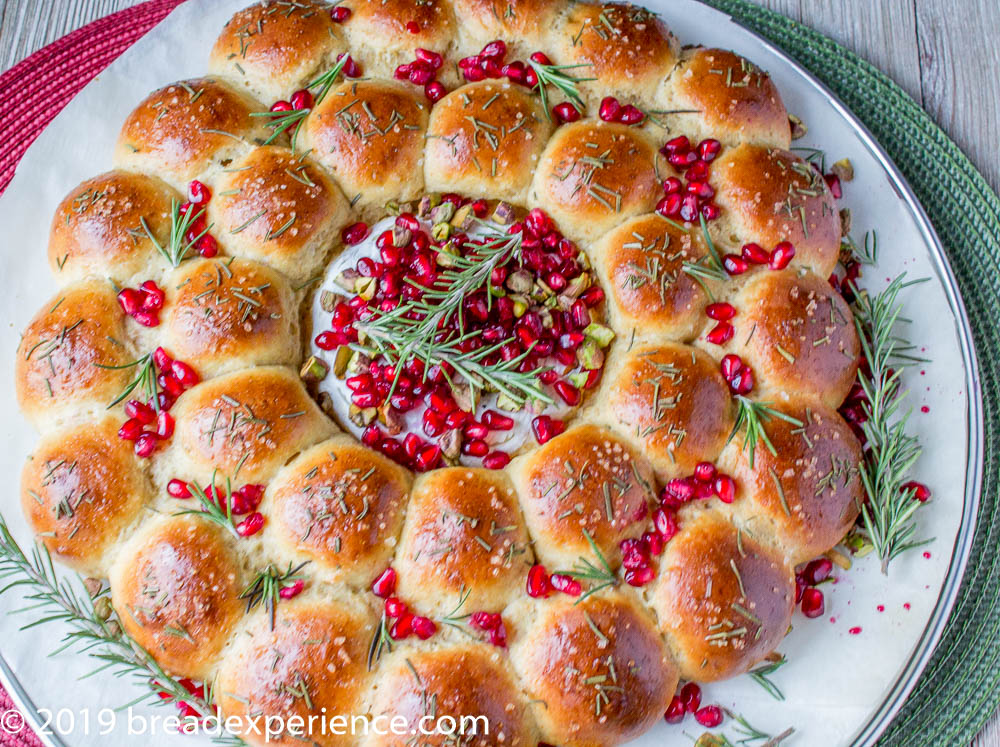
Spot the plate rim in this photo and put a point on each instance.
(909, 674)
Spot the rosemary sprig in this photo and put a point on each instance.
(92, 626)
(210, 509)
(455, 618)
(381, 641)
(325, 81)
(178, 246)
(747, 735)
(267, 585)
(750, 417)
(761, 674)
(891, 452)
(600, 575)
(556, 75)
(281, 121)
(709, 267)
(144, 380)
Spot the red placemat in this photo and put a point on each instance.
(37, 88)
(34, 91)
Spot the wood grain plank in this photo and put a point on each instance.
(959, 59)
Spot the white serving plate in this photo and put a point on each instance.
(840, 687)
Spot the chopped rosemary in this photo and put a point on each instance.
(267, 585)
(750, 417)
(557, 76)
(600, 575)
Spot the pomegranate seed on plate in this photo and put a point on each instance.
(709, 716)
(812, 603)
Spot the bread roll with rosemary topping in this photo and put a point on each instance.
(80, 490)
(723, 599)
(593, 175)
(278, 207)
(341, 506)
(274, 47)
(100, 227)
(720, 95)
(187, 129)
(523, 25)
(176, 587)
(72, 357)
(385, 33)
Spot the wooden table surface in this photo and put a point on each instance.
(942, 52)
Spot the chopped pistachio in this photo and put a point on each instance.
(328, 299)
(366, 287)
(341, 360)
(451, 443)
(799, 129)
(503, 214)
(578, 379)
(392, 207)
(362, 416)
(313, 370)
(426, 204)
(326, 404)
(603, 335)
(845, 221)
(590, 355)
(441, 231)
(359, 363)
(401, 236)
(520, 282)
(506, 403)
(345, 280)
(577, 285)
(463, 395)
(843, 170)
(442, 213)
(520, 307)
(463, 218)
(547, 320)
(392, 419)
(102, 608)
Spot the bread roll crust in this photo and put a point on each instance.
(341, 505)
(176, 588)
(523, 24)
(385, 33)
(723, 600)
(593, 175)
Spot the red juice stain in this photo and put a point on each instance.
(906, 605)
(854, 631)
(881, 608)
(925, 408)
(927, 555)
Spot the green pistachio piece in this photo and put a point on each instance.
(313, 370)
(603, 335)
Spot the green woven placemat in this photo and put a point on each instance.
(960, 688)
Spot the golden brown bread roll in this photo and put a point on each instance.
(593, 175)
(599, 668)
(278, 207)
(226, 314)
(523, 25)
(463, 533)
(186, 129)
(626, 48)
(721, 95)
(768, 196)
(798, 335)
(175, 586)
(587, 479)
(80, 490)
(723, 599)
(673, 403)
(340, 505)
(641, 264)
(385, 33)
(72, 359)
(308, 670)
(484, 140)
(274, 48)
(370, 134)
(806, 494)
(467, 680)
(100, 228)
(253, 420)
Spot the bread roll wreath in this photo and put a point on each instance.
(463, 351)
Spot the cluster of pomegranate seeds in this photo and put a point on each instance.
(721, 313)
(854, 409)
(197, 233)
(150, 422)
(541, 585)
(705, 483)
(611, 110)
(143, 304)
(512, 313)
(738, 375)
(187, 711)
(340, 13)
(301, 100)
(242, 502)
(688, 700)
(691, 197)
(754, 254)
(638, 554)
(423, 71)
(492, 624)
(814, 573)
(405, 623)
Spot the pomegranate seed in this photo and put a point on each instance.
(709, 149)
(475, 448)
(689, 208)
(198, 193)
(250, 525)
(403, 627)
(700, 189)
(293, 590)
(340, 13)
(184, 374)
(920, 491)
(742, 382)
(691, 697)
(394, 607)
(420, 74)
(565, 112)
(302, 99)
(164, 425)
(351, 69)
(431, 58)
(817, 571)
(665, 523)
(252, 495)
(496, 50)
(162, 359)
(541, 58)
(435, 91)
(281, 106)
(546, 428)
(730, 366)
(485, 620)
(639, 576)
(721, 333)
(812, 603)
(734, 264)
(569, 393)
(496, 460)
(711, 211)
(670, 205)
(679, 144)
(682, 160)
(413, 27)
(130, 300)
(538, 585)
(704, 472)
(178, 489)
(145, 445)
(474, 74)
(755, 254)
(147, 318)
(424, 627)
(140, 411)
(631, 115)
(725, 488)
(207, 246)
(498, 636)
(633, 553)
(781, 256)
(566, 584)
(721, 311)
(671, 185)
(709, 716)
(385, 584)
(609, 109)
(675, 711)
(429, 458)
(355, 233)
(833, 182)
